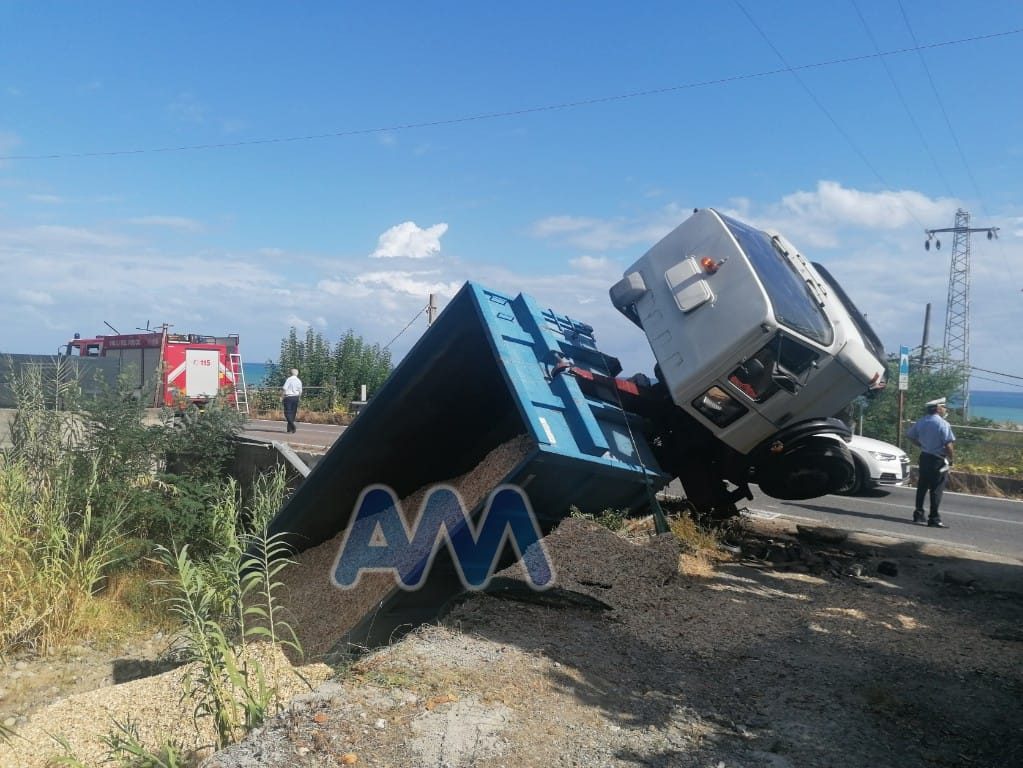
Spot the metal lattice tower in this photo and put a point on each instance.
(957, 307)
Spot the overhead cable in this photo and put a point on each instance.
(513, 112)
(416, 317)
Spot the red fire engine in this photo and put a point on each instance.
(182, 368)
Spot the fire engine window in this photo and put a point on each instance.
(719, 406)
(92, 350)
(794, 306)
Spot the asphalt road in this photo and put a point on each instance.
(975, 522)
(309, 437)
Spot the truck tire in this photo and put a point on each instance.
(815, 466)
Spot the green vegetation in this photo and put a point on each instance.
(109, 519)
(978, 448)
(331, 377)
(612, 519)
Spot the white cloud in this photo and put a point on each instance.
(593, 263)
(410, 241)
(593, 234)
(9, 141)
(819, 218)
(343, 288)
(46, 199)
(180, 223)
(58, 237)
(410, 283)
(186, 108)
(34, 297)
(296, 322)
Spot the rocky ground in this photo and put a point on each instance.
(795, 648)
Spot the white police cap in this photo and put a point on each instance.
(935, 403)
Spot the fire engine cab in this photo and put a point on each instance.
(180, 368)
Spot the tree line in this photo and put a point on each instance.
(343, 367)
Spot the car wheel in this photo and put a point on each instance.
(858, 482)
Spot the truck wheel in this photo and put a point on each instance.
(815, 466)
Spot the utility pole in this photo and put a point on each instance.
(957, 307)
(927, 328)
(431, 310)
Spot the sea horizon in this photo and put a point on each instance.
(999, 406)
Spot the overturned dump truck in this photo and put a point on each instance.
(756, 348)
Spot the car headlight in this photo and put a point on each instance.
(883, 456)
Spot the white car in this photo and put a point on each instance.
(877, 463)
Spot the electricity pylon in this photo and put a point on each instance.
(957, 307)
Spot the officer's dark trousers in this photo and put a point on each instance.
(931, 479)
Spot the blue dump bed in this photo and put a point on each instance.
(482, 374)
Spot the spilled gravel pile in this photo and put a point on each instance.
(736, 662)
(797, 650)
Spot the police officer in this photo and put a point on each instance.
(933, 435)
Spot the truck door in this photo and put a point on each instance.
(202, 376)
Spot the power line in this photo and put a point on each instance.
(902, 100)
(517, 112)
(941, 104)
(955, 137)
(995, 373)
(388, 344)
(997, 381)
(820, 105)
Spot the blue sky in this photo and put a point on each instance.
(343, 178)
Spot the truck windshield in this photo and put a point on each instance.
(794, 305)
(859, 319)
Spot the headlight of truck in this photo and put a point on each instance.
(719, 406)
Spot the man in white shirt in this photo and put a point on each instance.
(292, 392)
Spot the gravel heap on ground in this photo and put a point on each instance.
(752, 665)
(156, 704)
(806, 651)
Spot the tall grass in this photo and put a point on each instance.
(226, 603)
(53, 554)
(82, 496)
(82, 491)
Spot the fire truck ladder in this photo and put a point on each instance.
(241, 392)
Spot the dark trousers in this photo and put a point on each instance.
(290, 410)
(931, 479)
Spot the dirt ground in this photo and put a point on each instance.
(792, 648)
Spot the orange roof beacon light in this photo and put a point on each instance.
(709, 265)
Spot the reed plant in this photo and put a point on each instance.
(54, 555)
(225, 605)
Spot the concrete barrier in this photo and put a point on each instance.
(978, 485)
(253, 458)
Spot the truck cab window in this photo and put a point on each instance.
(794, 306)
(757, 376)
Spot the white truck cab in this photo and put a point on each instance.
(749, 336)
